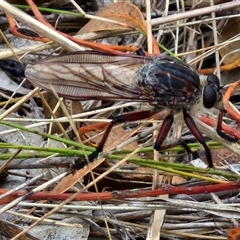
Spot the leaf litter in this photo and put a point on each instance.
(175, 216)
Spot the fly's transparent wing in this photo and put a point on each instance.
(90, 75)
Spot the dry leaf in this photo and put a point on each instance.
(230, 30)
(124, 12)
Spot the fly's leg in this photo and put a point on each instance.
(163, 132)
(186, 147)
(119, 119)
(221, 133)
(194, 130)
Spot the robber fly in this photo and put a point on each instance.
(159, 81)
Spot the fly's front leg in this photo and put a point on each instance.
(220, 132)
(119, 119)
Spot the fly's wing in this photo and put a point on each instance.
(90, 75)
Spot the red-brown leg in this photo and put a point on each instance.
(194, 130)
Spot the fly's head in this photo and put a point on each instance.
(211, 94)
(12, 67)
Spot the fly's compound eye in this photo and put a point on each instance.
(213, 80)
(211, 91)
(209, 96)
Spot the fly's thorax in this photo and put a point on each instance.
(171, 82)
